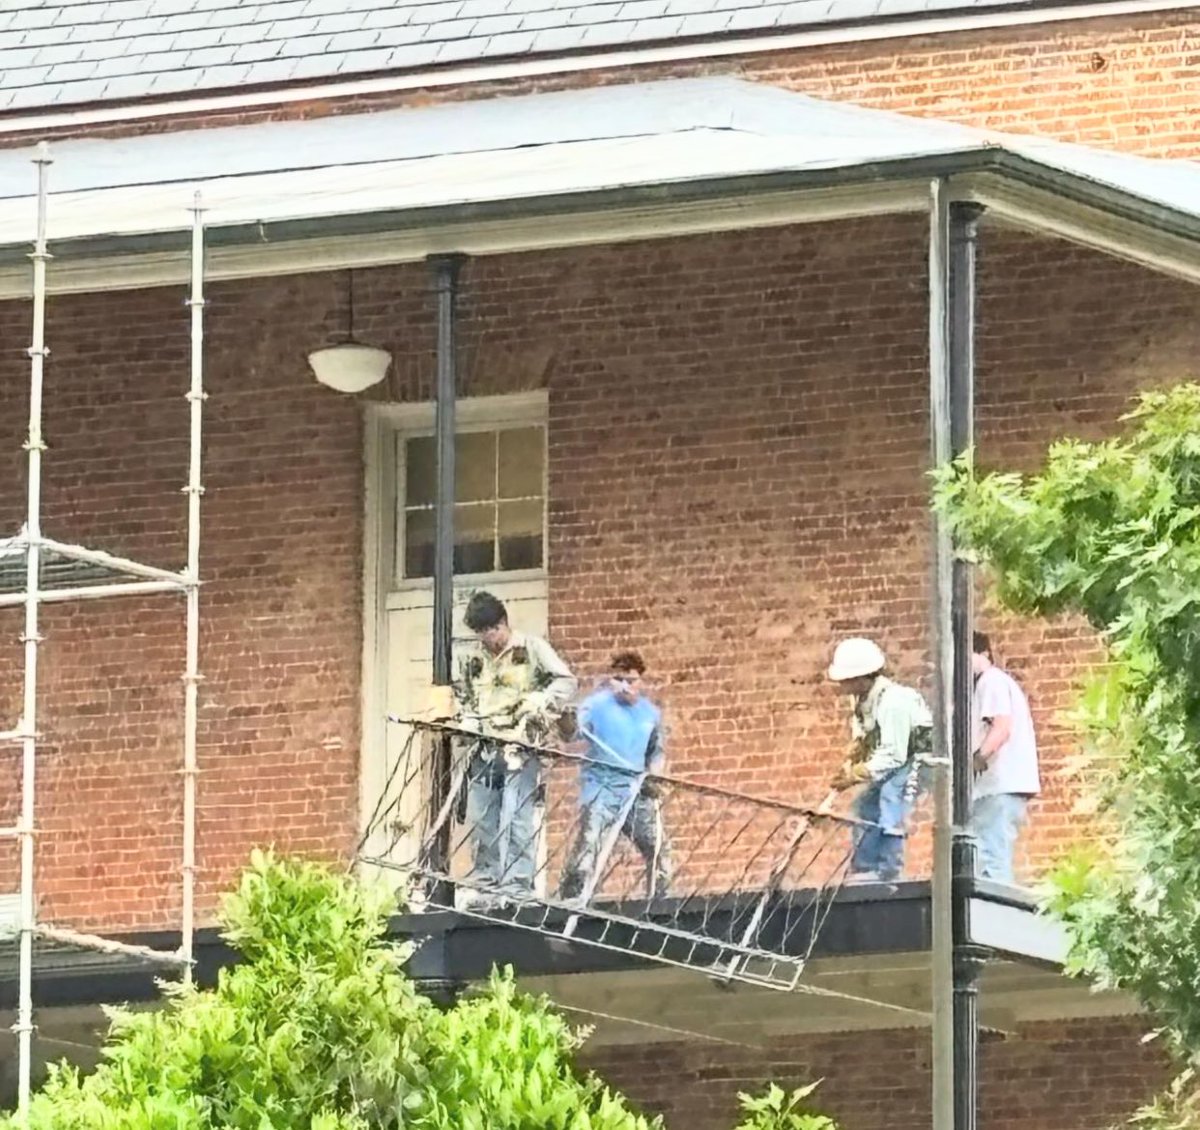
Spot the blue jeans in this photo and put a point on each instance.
(883, 802)
(503, 826)
(995, 822)
(642, 826)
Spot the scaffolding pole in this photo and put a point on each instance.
(153, 580)
(191, 677)
(34, 445)
(106, 945)
(93, 592)
(113, 562)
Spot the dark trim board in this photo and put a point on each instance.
(453, 948)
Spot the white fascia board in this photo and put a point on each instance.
(1044, 212)
(481, 238)
(1026, 207)
(1017, 932)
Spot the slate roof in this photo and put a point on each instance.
(56, 53)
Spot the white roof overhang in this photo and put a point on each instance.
(545, 170)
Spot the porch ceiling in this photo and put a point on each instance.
(841, 994)
(652, 145)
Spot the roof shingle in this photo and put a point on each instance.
(58, 54)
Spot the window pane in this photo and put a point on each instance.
(418, 543)
(474, 538)
(521, 454)
(521, 535)
(475, 466)
(420, 471)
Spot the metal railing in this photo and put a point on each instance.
(550, 840)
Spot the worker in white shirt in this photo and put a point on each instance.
(1006, 763)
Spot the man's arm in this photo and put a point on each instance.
(463, 692)
(995, 708)
(998, 732)
(656, 752)
(560, 686)
(895, 728)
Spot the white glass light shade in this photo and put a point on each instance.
(349, 367)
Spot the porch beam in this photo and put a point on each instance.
(1040, 211)
(435, 236)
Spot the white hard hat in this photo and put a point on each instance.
(854, 658)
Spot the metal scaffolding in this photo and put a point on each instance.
(46, 570)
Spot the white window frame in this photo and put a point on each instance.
(498, 414)
(383, 426)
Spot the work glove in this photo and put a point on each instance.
(534, 704)
(567, 724)
(440, 705)
(652, 788)
(850, 774)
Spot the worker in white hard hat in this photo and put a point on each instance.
(893, 731)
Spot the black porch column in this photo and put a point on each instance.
(445, 270)
(964, 222)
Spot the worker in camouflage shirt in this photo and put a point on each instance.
(892, 728)
(510, 690)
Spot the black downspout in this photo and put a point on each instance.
(445, 270)
(964, 222)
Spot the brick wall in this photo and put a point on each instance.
(1060, 1076)
(281, 613)
(738, 435)
(1122, 82)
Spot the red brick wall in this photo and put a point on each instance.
(738, 434)
(1123, 82)
(281, 611)
(1060, 1076)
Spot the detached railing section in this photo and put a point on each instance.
(549, 840)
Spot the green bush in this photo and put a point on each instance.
(778, 1110)
(319, 1030)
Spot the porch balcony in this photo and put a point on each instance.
(713, 316)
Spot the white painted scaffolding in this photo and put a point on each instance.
(56, 570)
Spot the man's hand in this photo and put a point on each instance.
(567, 725)
(981, 763)
(825, 808)
(850, 774)
(439, 705)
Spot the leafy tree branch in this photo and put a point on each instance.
(1111, 532)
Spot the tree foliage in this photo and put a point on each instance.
(319, 1030)
(776, 1109)
(1111, 531)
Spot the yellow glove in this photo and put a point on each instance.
(850, 774)
(439, 705)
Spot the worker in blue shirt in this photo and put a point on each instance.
(618, 793)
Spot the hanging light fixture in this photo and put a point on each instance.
(349, 366)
